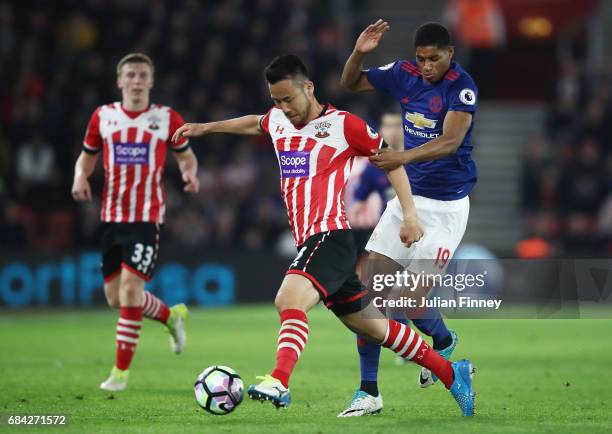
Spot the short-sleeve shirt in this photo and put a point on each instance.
(133, 146)
(424, 108)
(315, 162)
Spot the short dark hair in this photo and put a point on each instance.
(432, 34)
(284, 67)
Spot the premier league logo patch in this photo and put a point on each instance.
(467, 96)
(322, 128)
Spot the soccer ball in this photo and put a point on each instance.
(218, 389)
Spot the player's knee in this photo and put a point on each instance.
(132, 292)
(129, 289)
(280, 301)
(111, 292)
(286, 300)
(113, 300)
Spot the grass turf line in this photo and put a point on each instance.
(534, 376)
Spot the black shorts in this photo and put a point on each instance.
(362, 236)
(328, 260)
(134, 246)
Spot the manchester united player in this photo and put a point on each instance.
(316, 145)
(133, 136)
(438, 100)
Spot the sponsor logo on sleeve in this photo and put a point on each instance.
(294, 164)
(131, 153)
(467, 96)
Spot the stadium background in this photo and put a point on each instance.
(543, 145)
(543, 141)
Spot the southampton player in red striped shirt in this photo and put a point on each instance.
(133, 136)
(316, 145)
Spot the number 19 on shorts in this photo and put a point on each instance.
(442, 257)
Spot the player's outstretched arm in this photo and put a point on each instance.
(456, 126)
(246, 125)
(353, 79)
(188, 165)
(84, 167)
(410, 230)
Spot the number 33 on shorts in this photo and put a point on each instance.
(142, 257)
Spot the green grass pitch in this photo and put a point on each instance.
(533, 376)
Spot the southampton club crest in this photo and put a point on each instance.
(153, 122)
(321, 129)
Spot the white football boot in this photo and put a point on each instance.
(363, 404)
(176, 327)
(270, 389)
(116, 382)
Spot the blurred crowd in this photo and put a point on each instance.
(57, 64)
(567, 176)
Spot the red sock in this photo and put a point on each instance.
(407, 344)
(154, 308)
(128, 332)
(292, 339)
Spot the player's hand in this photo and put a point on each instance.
(387, 159)
(368, 39)
(410, 230)
(192, 183)
(189, 130)
(81, 191)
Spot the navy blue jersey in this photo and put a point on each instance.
(424, 107)
(373, 179)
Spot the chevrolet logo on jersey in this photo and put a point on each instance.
(420, 121)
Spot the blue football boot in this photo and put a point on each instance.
(461, 389)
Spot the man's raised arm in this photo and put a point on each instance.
(353, 79)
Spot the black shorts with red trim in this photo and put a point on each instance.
(133, 246)
(328, 260)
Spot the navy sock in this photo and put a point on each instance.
(432, 324)
(369, 355)
(369, 387)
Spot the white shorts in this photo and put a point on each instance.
(443, 224)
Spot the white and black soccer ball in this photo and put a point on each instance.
(218, 389)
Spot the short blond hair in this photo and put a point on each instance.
(135, 58)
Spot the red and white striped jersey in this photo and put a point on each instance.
(134, 148)
(315, 162)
